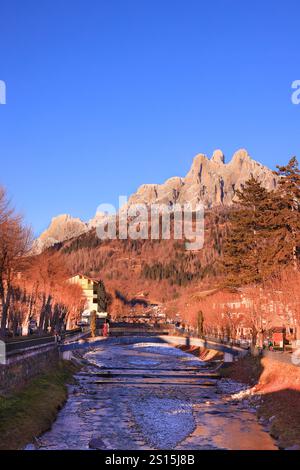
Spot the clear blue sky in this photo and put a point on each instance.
(104, 95)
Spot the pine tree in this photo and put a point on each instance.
(287, 220)
(103, 298)
(264, 231)
(243, 247)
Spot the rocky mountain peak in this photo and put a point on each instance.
(218, 157)
(241, 157)
(62, 227)
(210, 181)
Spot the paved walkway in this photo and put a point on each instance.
(148, 395)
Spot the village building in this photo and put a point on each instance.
(90, 293)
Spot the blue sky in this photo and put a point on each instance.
(104, 95)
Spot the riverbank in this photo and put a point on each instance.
(202, 353)
(274, 390)
(31, 411)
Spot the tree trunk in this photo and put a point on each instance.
(254, 336)
(5, 309)
(43, 313)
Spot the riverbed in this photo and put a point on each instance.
(149, 395)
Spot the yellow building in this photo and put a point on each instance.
(90, 293)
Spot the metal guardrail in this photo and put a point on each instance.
(15, 346)
(136, 331)
(68, 333)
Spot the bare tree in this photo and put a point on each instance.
(15, 241)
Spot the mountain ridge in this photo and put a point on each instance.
(210, 181)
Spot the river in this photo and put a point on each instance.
(149, 395)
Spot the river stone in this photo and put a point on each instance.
(97, 443)
(156, 416)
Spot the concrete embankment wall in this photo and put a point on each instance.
(20, 369)
(229, 351)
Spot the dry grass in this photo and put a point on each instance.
(285, 406)
(246, 370)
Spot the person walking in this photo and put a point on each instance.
(104, 329)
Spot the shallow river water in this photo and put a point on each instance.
(148, 395)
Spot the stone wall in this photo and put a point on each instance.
(18, 372)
